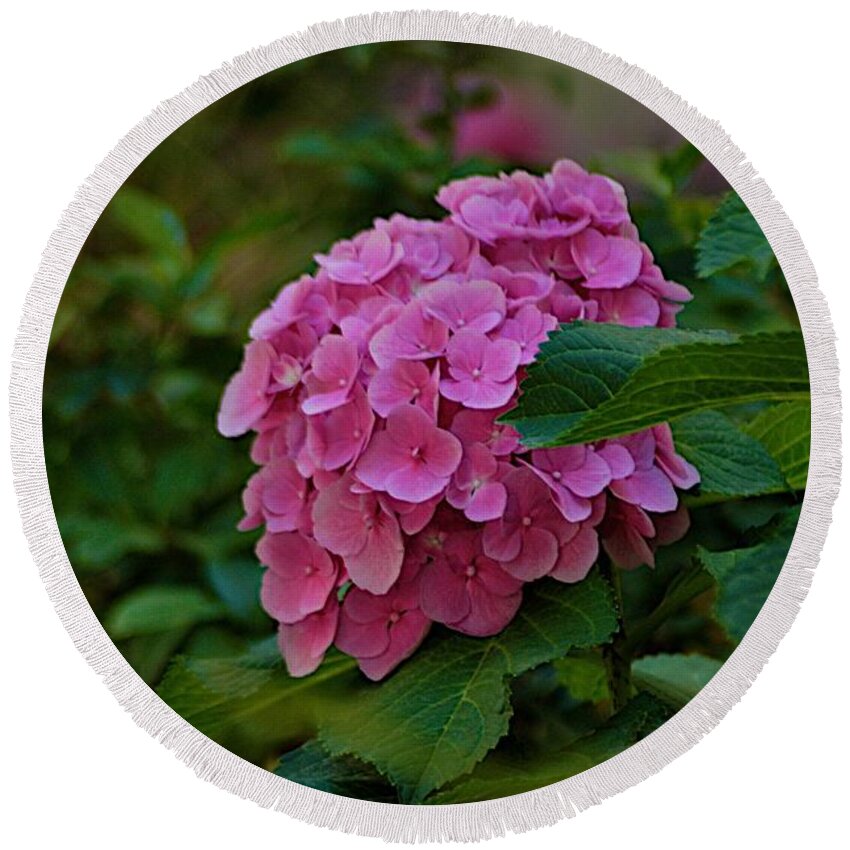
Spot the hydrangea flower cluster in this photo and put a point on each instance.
(392, 497)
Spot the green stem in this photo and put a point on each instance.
(618, 662)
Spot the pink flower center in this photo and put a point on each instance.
(556, 475)
(476, 373)
(470, 571)
(414, 452)
(308, 570)
(342, 382)
(394, 617)
(526, 521)
(416, 392)
(357, 433)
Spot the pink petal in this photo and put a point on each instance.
(404, 382)
(246, 400)
(501, 360)
(336, 358)
(322, 402)
(415, 484)
(405, 637)
(443, 593)
(490, 613)
(578, 556)
(618, 458)
(627, 549)
(591, 478)
(339, 518)
(378, 564)
(650, 489)
(303, 644)
(632, 307)
(361, 639)
(476, 304)
(537, 556)
(487, 502)
(494, 579)
(442, 453)
(383, 457)
(478, 394)
(607, 262)
(501, 541)
(573, 508)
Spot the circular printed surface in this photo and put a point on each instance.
(426, 423)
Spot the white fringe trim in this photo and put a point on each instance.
(471, 821)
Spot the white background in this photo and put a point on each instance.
(77, 77)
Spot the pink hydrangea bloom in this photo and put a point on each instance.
(374, 388)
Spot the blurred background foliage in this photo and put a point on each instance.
(232, 206)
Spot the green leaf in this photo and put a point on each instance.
(674, 678)
(503, 774)
(446, 708)
(732, 237)
(730, 462)
(312, 765)
(786, 432)
(160, 608)
(583, 675)
(746, 576)
(594, 381)
(253, 696)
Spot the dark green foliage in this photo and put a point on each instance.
(730, 461)
(745, 576)
(592, 381)
(501, 775)
(733, 238)
(448, 706)
(312, 765)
